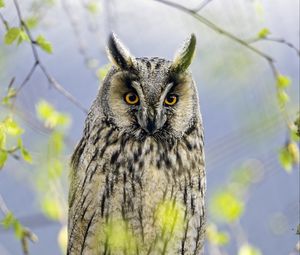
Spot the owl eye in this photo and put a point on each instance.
(131, 98)
(171, 99)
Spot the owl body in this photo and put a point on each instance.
(138, 176)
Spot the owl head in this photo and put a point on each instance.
(149, 96)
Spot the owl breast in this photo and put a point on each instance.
(150, 192)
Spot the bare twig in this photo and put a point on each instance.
(4, 21)
(277, 40)
(28, 76)
(56, 85)
(202, 5)
(80, 40)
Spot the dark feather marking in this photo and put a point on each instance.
(184, 239)
(86, 232)
(140, 215)
(103, 199)
(192, 204)
(187, 143)
(85, 210)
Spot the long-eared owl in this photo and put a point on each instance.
(138, 177)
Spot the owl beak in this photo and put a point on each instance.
(151, 126)
(151, 122)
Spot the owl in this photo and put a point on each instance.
(138, 175)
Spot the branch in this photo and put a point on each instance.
(202, 5)
(278, 40)
(26, 233)
(220, 30)
(76, 30)
(56, 85)
(270, 60)
(4, 21)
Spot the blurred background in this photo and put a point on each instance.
(251, 154)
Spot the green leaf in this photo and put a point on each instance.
(8, 220)
(285, 159)
(50, 116)
(2, 4)
(31, 22)
(55, 169)
(102, 71)
(23, 37)
(247, 249)
(11, 35)
(282, 98)
(169, 216)
(26, 155)
(11, 93)
(44, 44)
(283, 81)
(18, 229)
(294, 152)
(119, 237)
(216, 237)
(226, 207)
(52, 208)
(264, 33)
(3, 158)
(2, 137)
(12, 127)
(56, 143)
(93, 7)
(44, 110)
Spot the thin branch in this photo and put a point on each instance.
(28, 76)
(202, 5)
(4, 21)
(76, 30)
(216, 28)
(277, 40)
(38, 62)
(270, 60)
(27, 233)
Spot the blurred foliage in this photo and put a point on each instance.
(44, 44)
(247, 249)
(102, 71)
(263, 33)
(216, 237)
(10, 221)
(51, 182)
(119, 237)
(94, 7)
(226, 206)
(2, 4)
(169, 216)
(62, 239)
(289, 156)
(11, 141)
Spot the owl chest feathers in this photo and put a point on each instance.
(117, 177)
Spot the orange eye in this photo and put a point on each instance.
(131, 98)
(171, 99)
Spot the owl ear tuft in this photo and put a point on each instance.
(184, 56)
(118, 54)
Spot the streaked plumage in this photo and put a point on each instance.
(138, 176)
